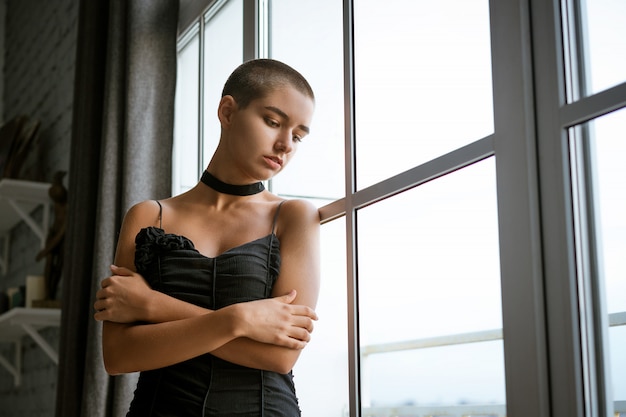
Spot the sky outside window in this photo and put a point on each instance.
(422, 81)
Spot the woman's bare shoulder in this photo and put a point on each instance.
(143, 214)
(296, 214)
(299, 207)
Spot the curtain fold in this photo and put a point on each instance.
(82, 204)
(130, 140)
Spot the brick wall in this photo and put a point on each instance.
(38, 79)
(40, 49)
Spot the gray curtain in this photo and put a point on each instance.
(121, 154)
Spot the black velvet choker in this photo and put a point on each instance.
(222, 187)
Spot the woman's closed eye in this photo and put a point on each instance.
(276, 124)
(271, 122)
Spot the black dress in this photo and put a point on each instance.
(207, 386)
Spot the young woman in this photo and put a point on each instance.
(213, 291)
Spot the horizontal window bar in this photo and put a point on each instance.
(589, 108)
(438, 167)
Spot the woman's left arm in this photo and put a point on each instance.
(299, 234)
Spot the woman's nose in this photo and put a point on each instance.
(284, 143)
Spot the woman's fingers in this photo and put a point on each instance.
(304, 323)
(298, 309)
(304, 311)
(277, 321)
(122, 297)
(120, 270)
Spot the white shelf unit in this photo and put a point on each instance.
(18, 198)
(21, 321)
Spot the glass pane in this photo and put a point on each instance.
(315, 49)
(220, 59)
(607, 149)
(604, 34)
(185, 159)
(322, 369)
(423, 82)
(429, 283)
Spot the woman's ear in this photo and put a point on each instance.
(226, 109)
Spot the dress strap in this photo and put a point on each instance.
(160, 214)
(276, 215)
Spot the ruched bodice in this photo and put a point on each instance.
(207, 386)
(171, 264)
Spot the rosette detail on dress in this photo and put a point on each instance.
(153, 241)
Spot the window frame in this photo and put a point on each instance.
(578, 380)
(545, 350)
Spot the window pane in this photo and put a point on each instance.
(220, 59)
(604, 35)
(423, 82)
(429, 268)
(322, 370)
(607, 149)
(185, 160)
(315, 49)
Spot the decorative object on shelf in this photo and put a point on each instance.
(35, 289)
(53, 249)
(16, 138)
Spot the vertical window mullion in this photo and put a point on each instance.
(250, 29)
(522, 269)
(354, 347)
(268, 33)
(201, 53)
(557, 66)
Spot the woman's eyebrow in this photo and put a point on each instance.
(286, 116)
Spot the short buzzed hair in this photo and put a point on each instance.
(259, 77)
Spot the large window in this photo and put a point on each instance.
(594, 30)
(464, 156)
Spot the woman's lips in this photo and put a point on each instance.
(274, 162)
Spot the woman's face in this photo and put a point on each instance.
(264, 136)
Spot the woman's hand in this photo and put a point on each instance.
(123, 298)
(277, 321)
